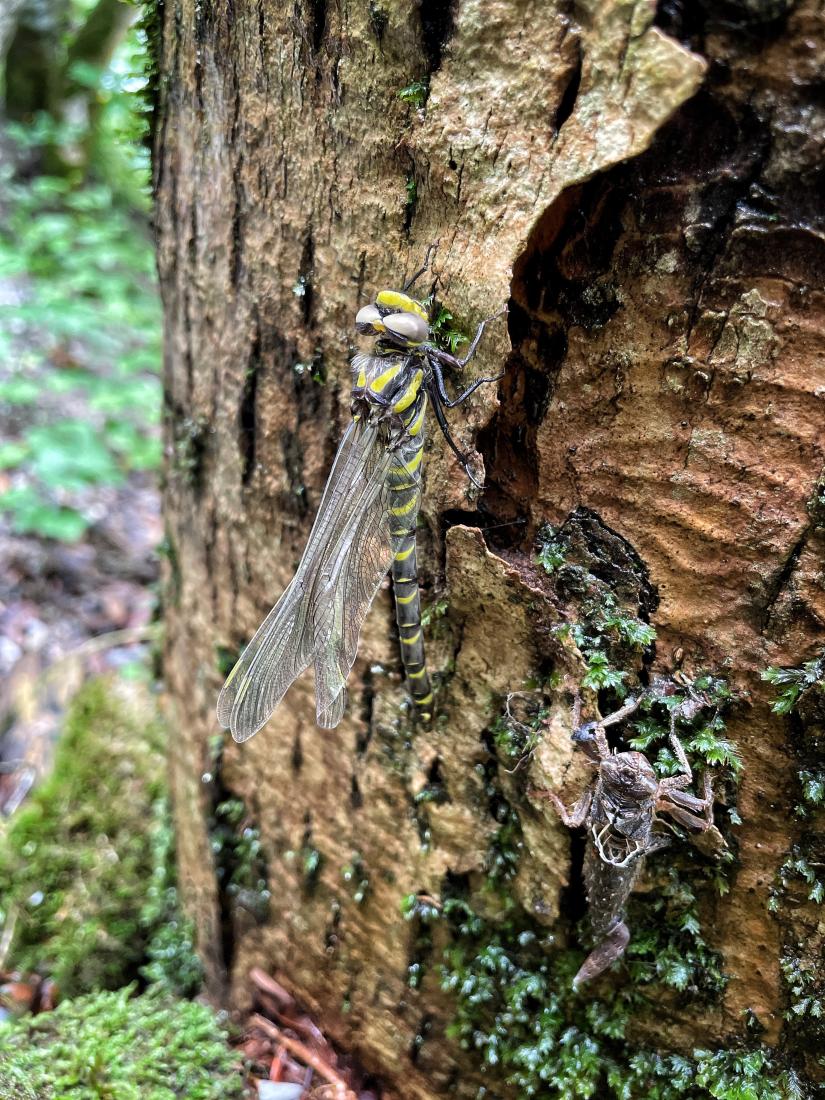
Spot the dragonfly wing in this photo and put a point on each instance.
(362, 564)
(347, 555)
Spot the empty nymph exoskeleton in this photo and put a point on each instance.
(620, 811)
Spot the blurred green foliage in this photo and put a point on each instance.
(116, 1045)
(80, 322)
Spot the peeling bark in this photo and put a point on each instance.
(646, 191)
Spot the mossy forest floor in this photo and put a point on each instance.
(99, 980)
(88, 899)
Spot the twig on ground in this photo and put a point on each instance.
(307, 1056)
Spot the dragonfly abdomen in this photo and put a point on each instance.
(404, 481)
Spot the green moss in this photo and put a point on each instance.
(813, 791)
(516, 737)
(697, 708)
(113, 1046)
(515, 1008)
(240, 867)
(806, 988)
(607, 596)
(76, 860)
(799, 888)
(422, 915)
(189, 444)
(171, 961)
(794, 681)
(444, 331)
(607, 634)
(433, 612)
(415, 94)
(308, 859)
(315, 369)
(551, 550)
(800, 876)
(225, 659)
(511, 977)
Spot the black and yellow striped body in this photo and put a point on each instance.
(388, 388)
(365, 525)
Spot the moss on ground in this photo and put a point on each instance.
(86, 871)
(116, 1046)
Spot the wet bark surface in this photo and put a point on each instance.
(645, 188)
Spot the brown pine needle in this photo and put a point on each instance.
(307, 1056)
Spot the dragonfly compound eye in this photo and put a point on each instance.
(368, 319)
(408, 326)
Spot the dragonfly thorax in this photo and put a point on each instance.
(388, 388)
(395, 317)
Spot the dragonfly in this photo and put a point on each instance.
(364, 527)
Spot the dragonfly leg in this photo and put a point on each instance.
(464, 459)
(446, 400)
(424, 267)
(479, 332)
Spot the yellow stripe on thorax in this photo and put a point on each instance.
(415, 427)
(409, 394)
(402, 555)
(384, 379)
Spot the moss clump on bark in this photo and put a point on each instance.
(514, 1003)
(799, 889)
(117, 1045)
(86, 870)
(511, 976)
(239, 863)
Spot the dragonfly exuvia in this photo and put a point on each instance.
(365, 524)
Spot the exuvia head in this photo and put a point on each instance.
(629, 773)
(396, 317)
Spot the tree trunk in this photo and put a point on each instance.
(645, 188)
(37, 67)
(32, 55)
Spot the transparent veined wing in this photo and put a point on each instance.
(318, 619)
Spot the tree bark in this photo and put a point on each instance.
(645, 188)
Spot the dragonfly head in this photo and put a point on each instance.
(395, 317)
